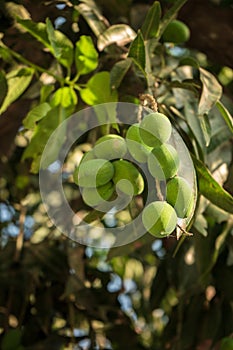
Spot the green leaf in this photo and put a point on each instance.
(86, 56)
(206, 128)
(191, 114)
(225, 114)
(210, 189)
(118, 72)
(150, 26)
(137, 52)
(11, 340)
(3, 87)
(18, 80)
(57, 42)
(93, 17)
(36, 114)
(120, 34)
(55, 142)
(52, 39)
(211, 92)
(45, 92)
(42, 133)
(65, 96)
(98, 90)
(5, 54)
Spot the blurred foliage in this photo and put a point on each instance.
(56, 58)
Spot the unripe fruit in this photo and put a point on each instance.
(155, 129)
(176, 32)
(93, 173)
(163, 162)
(95, 196)
(137, 148)
(159, 218)
(127, 178)
(180, 196)
(110, 147)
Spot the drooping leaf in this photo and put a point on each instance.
(206, 128)
(211, 92)
(137, 52)
(36, 114)
(191, 114)
(210, 188)
(150, 26)
(225, 114)
(3, 87)
(17, 80)
(86, 56)
(93, 17)
(61, 47)
(120, 34)
(42, 132)
(118, 72)
(98, 90)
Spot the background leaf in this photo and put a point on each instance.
(36, 114)
(206, 128)
(150, 26)
(120, 34)
(18, 80)
(93, 17)
(41, 135)
(211, 91)
(210, 189)
(191, 114)
(11, 340)
(57, 42)
(225, 114)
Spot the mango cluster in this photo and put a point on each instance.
(104, 173)
(152, 135)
